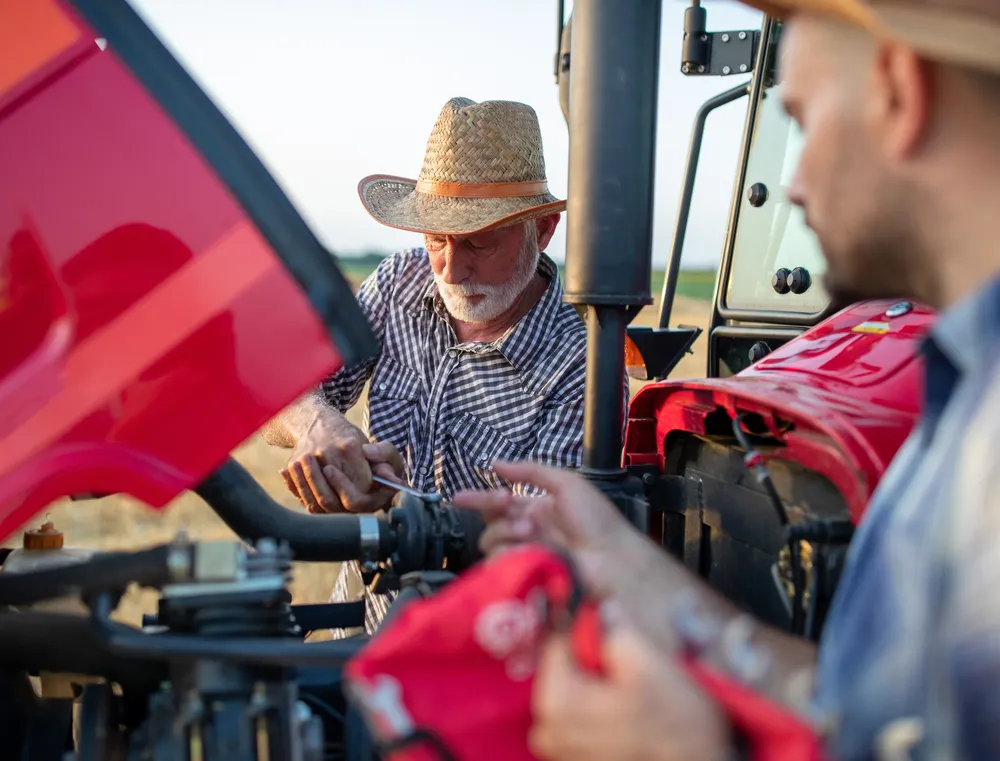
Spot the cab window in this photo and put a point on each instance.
(771, 234)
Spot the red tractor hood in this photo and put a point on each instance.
(149, 318)
(839, 399)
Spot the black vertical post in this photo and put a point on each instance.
(612, 146)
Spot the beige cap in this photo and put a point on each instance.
(962, 32)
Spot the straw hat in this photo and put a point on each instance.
(483, 169)
(961, 32)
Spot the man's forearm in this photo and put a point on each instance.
(292, 423)
(666, 592)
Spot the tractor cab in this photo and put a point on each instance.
(756, 474)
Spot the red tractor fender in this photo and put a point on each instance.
(839, 399)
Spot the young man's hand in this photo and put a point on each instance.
(614, 560)
(642, 708)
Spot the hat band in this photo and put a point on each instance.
(482, 189)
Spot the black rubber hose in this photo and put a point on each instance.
(250, 511)
(260, 651)
(58, 642)
(88, 577)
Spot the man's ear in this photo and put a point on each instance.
(902, 87)
(546, 227)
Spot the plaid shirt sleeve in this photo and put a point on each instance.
(343, 389)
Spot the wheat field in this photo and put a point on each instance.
(119, 522)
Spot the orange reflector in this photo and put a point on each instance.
(635, 365)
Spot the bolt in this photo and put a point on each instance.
(686, 68)
(743, 68)
(267, 546)
(701, 69)
(743, 35)
(725, 38)
(704, 38)
(726, 70)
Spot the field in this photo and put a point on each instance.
(121, 523)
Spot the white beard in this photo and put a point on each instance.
(497, 299)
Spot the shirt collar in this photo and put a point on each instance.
(521, 343)
(964, 331)
(959, 345)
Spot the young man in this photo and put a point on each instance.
(899, 176)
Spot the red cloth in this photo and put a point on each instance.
(459, 666)
(451, 676)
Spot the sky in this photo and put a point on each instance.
(329, 91)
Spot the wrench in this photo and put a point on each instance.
(424, 496)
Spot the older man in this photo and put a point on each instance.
(480, 358)
(899, 175)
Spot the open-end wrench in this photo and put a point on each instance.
(424, 496)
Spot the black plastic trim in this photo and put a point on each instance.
(763, 333)
(238, 167)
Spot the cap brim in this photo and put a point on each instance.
(943, 34)
(395, 202)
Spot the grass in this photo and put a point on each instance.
(694, 284)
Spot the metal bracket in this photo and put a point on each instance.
(719, 54)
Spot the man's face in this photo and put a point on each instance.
(480, 276)
(853, 198)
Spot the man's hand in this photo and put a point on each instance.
(331, 468)
(572, 515)
(618, 563)
(385, 461)
(643, 708)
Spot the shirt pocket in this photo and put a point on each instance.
(477, 445)
(393, 396)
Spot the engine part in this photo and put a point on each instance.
(227, 636)
(224, 645)
(115, 570)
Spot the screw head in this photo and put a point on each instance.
(743, 35)
(743, 68)
(701, 69)
(757, 195)
(725, 38)
(726, 70)
(799, 280)
(779, 281)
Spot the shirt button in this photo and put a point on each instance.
(481, 462)
(424, 470)
(452, 353)
(382, 386)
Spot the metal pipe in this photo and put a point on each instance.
(612, 126)
(603, 414)
(612, 151)
(687, 194)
